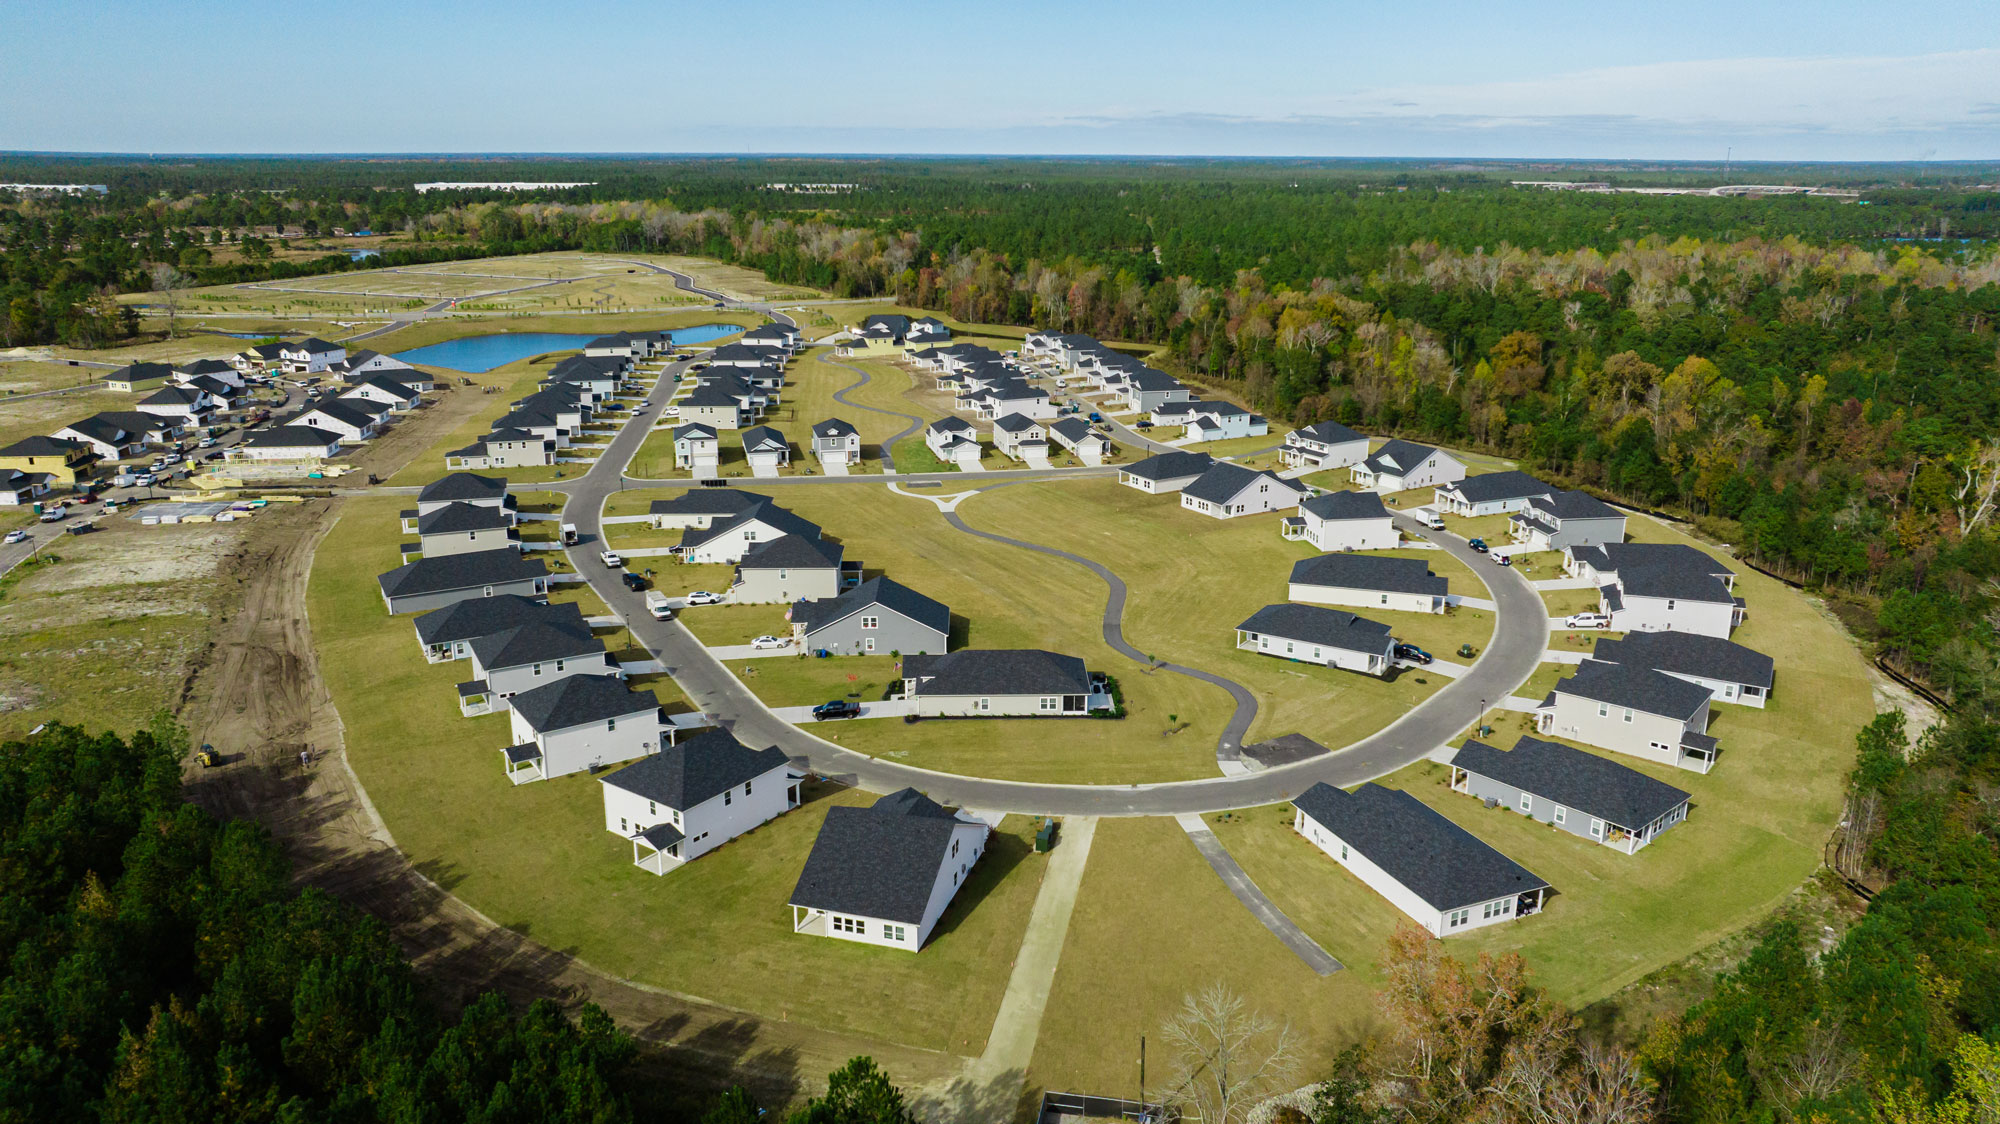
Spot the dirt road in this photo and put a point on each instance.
(257, 696)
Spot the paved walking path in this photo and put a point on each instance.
(1254, 899)
(880, 708)
(746, 652)
(1011, 1044)
(888, 445)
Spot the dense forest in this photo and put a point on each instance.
(162, 967)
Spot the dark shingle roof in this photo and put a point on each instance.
(533, 641)
(1641, 688)
(461, 571)
(696, 431)
(998, 671)
(43, 447)
(763, 438)
(950, 425)
(1346, 505)
(292, 437)
(172, 396)
(1224, 481)
(1328, 433)
(579, 699)
(1316, 625)
(890, 595)
(1170, 466)
(1072, 429)
(1435, 859)
(792, 552)
(481, 616)
(1497, 486)
(1710, 657)
(1397, 457)
(1574, 505)
(1015, 423)
(709, 501)
(881, 861)
(834, 427)
(683, 775)
(1672, 581)
(1572, 778)
(140, 372)
(767, 513)
(461, 516)
(1369, 571)
(463, 486)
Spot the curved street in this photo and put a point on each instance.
(1519, 639)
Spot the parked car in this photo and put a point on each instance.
(1587, 620)
(769, 642)
(671, 412)
(205, 443)
(1478, 545)
(610, 558)
(703, 597)
(1412, 654)
(54, 515)
(1095, 416)
(1504, 559)
(144, 480)
(838, 708)
(16, 536)
(634, 582)
(1142, 423)
(657, 604)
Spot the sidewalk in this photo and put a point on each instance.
(1010, 1046)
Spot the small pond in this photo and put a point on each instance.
(478, 354)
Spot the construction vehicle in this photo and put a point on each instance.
(206, 756)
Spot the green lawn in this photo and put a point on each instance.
(1544, 680)
(734, 624)
(718, 928)
(1568, 602)
(803, 680)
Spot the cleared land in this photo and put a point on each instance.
(718, 927)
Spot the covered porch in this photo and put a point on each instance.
(525, 763)
(658, 848)
(474, 699)
(812, 922)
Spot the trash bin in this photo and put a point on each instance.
(1045, 836)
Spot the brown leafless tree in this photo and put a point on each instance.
(1227, 1057)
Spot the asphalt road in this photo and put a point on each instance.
(1519, 638)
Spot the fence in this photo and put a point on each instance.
(1084, 1106)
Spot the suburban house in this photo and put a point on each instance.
(1633, 710)
(458, 487)
(1228, 490)
(218, 369)
(310, 356)
(728, 540)
(996, 682)
(1328, 637)
(886, 873)
(693, 796)
(701, 507)
(1165, 472)
(503, 448)
(1439, 874)
(1579, 792)
(348, 420)
(1212, 421)
(1731, 672)
(1401, 465)
(697, 448)
(447, 634)
(259, 357)
(387, 391)
(879, 615)
(1369, 581)
(136, 377)
(1021, 437)
(1146, 389)
(785, 569)
(577, 723)
(362, 363)
(716, 406)
(781, 336)
(1566, 519)
(747, 355)
(1343, 521)
(463, 528)
(1323, 445)
(529, 655)
(17, 487)
(1667, 587)
(183, 404)
(221, 395)
(433, 583)
(953, 441)
(836, 444)
(629, 345)
(58, 458)
(116, 434)
(1495, 493)
(766, 448)
(1079, 437)
(287, 443)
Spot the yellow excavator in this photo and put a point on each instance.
(207, 757)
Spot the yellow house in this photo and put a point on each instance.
(135, 377)
(64, 460)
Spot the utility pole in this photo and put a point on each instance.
(1142, 1069)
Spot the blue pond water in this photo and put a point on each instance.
(478, 354)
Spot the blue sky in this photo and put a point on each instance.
(1833, 80)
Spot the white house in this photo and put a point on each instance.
(1586, 795)
(693, 796)
(728, 540)
(1495, 493)
(1340, 521)
(458, 487)
(953, 441)
(310, 356)
(287, 443)
(581, 722)
(503, 448)
(786, 569)
(447, 634)
(1401, 465)
(461, 528)
(219, 369)
(1566, 519)
(1439, 874)
(532, 654)
(885, 874)
(1369, 581)
(1165, 472)
(703, 507)
(1228, 490)
(1324, 445)
(697, 448)
(385, 390)
(1021, 437)
(1633, 710)
(766, 450)
(998, 682)
(1328, 637)
(1215, 421)
(1081, 438)
(183, 404)
(17, 487)
(350, 422)
(1675, 592)
(1729, 671)
(836, 444)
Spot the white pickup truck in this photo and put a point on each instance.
(610, 558)
(660, 605)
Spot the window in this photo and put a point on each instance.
(538, 669)
(1628, 715)
(559, 665)
(725, 798)
(623, 827)
(746, 787)
(781, 573)
(871, 622)
(1597, 829)
(1288, 647)
(1343, 852)
(1527, 802)
(1050, 702)
(850, 925)
(610, 724)
(1385, 599)
(1670, 604)
(982, 704)
(1561, 814)
(1603, 710)
(652, 808)
(1457, 917)
(868, 643)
